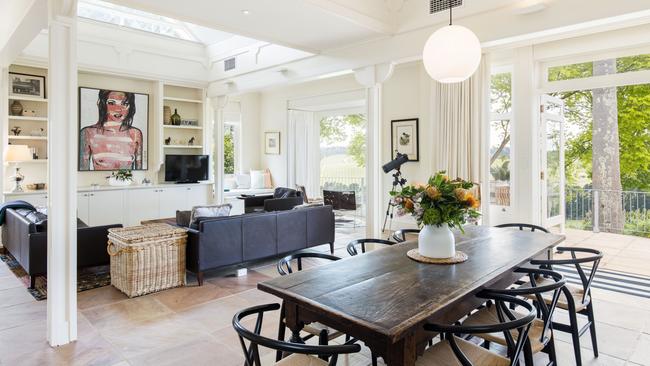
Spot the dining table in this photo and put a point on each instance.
(383, 298)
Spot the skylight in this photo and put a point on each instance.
(106, 12)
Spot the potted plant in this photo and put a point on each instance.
(121, 177)
(440, 205)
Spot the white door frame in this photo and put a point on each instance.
(545, 117)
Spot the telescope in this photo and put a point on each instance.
(395, 163)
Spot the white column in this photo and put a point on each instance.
(4, 120)
(62, 173)
(218, 104)
(372, 78)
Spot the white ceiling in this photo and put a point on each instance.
(312, 25)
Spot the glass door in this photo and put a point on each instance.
(552, 161)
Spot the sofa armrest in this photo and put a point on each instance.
(91, 245)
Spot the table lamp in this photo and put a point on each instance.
(15, 154)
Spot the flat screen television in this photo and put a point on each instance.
(186, 168)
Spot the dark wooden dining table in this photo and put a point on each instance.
(384, 298)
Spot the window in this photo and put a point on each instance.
(230, 147)
(106, 12)
(500, 135)
(588, 69)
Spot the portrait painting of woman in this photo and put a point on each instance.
(113, 127)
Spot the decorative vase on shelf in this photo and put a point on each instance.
(167, 115)
(175, 118)
(16, 108)
(436, 242)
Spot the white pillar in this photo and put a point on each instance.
(218, 104)
(525, 142)
(62, 173)
(4, 120)
(372, 78)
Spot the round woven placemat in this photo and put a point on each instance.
(460, 257)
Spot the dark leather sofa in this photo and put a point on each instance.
(282, 199)
(231, 240)
(25, 236)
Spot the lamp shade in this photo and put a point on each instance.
(17, 153)
(451, 54)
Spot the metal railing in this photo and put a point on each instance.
(625, 212)
(343, 184)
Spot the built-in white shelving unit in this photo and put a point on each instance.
(188, 102)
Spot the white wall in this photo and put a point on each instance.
(405, 95)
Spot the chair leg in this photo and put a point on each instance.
(32, 282)
(281, 334)
(528, 354)
(332, 248)
(550, 347)
(592, 327)
(374, 359)
(575, 334)
(199, 277)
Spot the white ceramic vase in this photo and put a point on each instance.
(119, 183)
(436, 242)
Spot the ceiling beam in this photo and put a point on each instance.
(381, 26)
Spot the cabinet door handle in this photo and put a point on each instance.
(92, 194)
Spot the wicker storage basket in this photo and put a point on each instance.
(147, 258)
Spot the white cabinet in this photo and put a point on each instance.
(83, 201)
(172, 199)
(37, 200)
(198, 195)
(141, 204)
(105, 208)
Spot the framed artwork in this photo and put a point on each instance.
(113, 130)
(272, 143)
(27, 85)
(405, 138)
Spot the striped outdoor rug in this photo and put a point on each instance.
(626, 283)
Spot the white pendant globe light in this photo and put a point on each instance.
(452, 53)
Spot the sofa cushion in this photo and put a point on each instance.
(257, 179)
(243, 181)
(203, 212)
(183, 218)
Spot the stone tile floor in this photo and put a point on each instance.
(191, 325)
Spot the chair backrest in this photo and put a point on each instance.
(352, 246)
(252, 353)
(554, 287)
(523, 226)
(593, 258)
(348, 200)
(284, 264)
(400, 235)
(332, 198)
(303, 190)
(507, 323)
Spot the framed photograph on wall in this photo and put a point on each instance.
(405, 138)
(113, 130)
(26, 85)
(272, 143)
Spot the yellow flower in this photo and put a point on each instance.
(472, 201)
(462, 194)
(432, 192)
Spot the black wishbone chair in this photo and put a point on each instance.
(540, 336)
(323, 332)
(400, 235)
(352, 246)
(300, 354)
(575, 299)
(452, 350)
(522, 226)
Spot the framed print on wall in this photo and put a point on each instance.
(26, 85)
(113, 130)
(405, 138)
(272, 143)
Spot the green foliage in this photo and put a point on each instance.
(335, 129)
(501, 93)
(440, 202)
(500, 170)
(228, 151)
(122, 174)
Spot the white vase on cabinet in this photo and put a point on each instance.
(436, 242)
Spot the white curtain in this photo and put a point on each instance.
(304, 152)
(460, 120)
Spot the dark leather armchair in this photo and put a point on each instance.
(282, 199)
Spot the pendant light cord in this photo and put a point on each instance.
(450, 7)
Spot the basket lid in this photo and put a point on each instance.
(146, 232)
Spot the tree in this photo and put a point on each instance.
(228, 151)
(334, 129)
